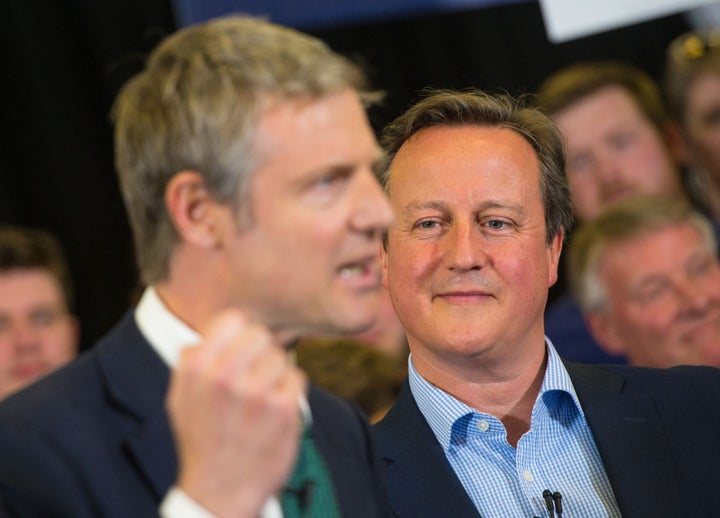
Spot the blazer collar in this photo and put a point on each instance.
(136, 380)
(418, 478)
(630, 438)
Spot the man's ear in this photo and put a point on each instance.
(383, 262)
(601, 327)
(191, 209)
(554, 250)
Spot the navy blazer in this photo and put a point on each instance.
(93, 439)
(657, 431)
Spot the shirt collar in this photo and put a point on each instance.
(441, 410)
(167, 334)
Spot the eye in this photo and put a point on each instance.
(427, 224)
(496, 224)
(712, 117)
(623, 141)
(42, 318)
(331, 179)
(650, 292)
(428, 227)
(579, 163)
(700, 267)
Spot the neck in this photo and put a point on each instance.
(506, 390)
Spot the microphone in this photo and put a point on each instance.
(557, 498)
(548, 497)
(302, 493)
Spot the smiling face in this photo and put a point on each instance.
(663, 299)
(308, 262)
(467, 263)
(613, 152)
(37, 334)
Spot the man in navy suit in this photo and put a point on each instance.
(492, 422)
(246, 164)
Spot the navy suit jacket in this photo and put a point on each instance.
(93, 440)
(657, 431)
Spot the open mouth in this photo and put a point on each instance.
(362, 273)
(30, 370)
(354, 270)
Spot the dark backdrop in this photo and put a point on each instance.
(64, 61)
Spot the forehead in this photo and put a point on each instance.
(22, 287)
(607, 106)
(705, 88)
(657, 249)
(470, 160)
(304, 134)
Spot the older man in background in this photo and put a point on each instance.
(621, 143)
(647, 276)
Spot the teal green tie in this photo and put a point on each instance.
(309, 493)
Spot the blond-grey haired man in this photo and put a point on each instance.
(647, 277)
(246, 165)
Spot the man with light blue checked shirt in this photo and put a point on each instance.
(492, 421)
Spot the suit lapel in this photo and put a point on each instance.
(137, 380)
(418, 478)
(631, 442)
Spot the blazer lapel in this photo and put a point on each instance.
(418, 478)
(137, 380)
(631, 442)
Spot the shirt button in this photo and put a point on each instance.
(528, 476)
(483, 425)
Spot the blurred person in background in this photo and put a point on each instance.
(692, 88)
(38, 332)
(620, 144)
(370, 377)
(647, 276)
(619, 138)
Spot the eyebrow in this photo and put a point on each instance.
(440, 205)
(424, 205)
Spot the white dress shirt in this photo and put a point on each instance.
(169, 335)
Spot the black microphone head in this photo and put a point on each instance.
(548, 497)
(558, 501)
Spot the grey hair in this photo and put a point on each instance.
(196, 107)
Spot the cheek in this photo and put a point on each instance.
(406, 267)
(656, 320)
(709, 148)
(584, 188)
(6, 352)
(585, 198)
(61, 350)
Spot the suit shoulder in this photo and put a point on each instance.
(329, 408)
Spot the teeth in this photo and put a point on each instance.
(349, 271)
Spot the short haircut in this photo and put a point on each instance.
(620, 224)
(476, 108)
(576, 82)
(196, 106)
(29, 249)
